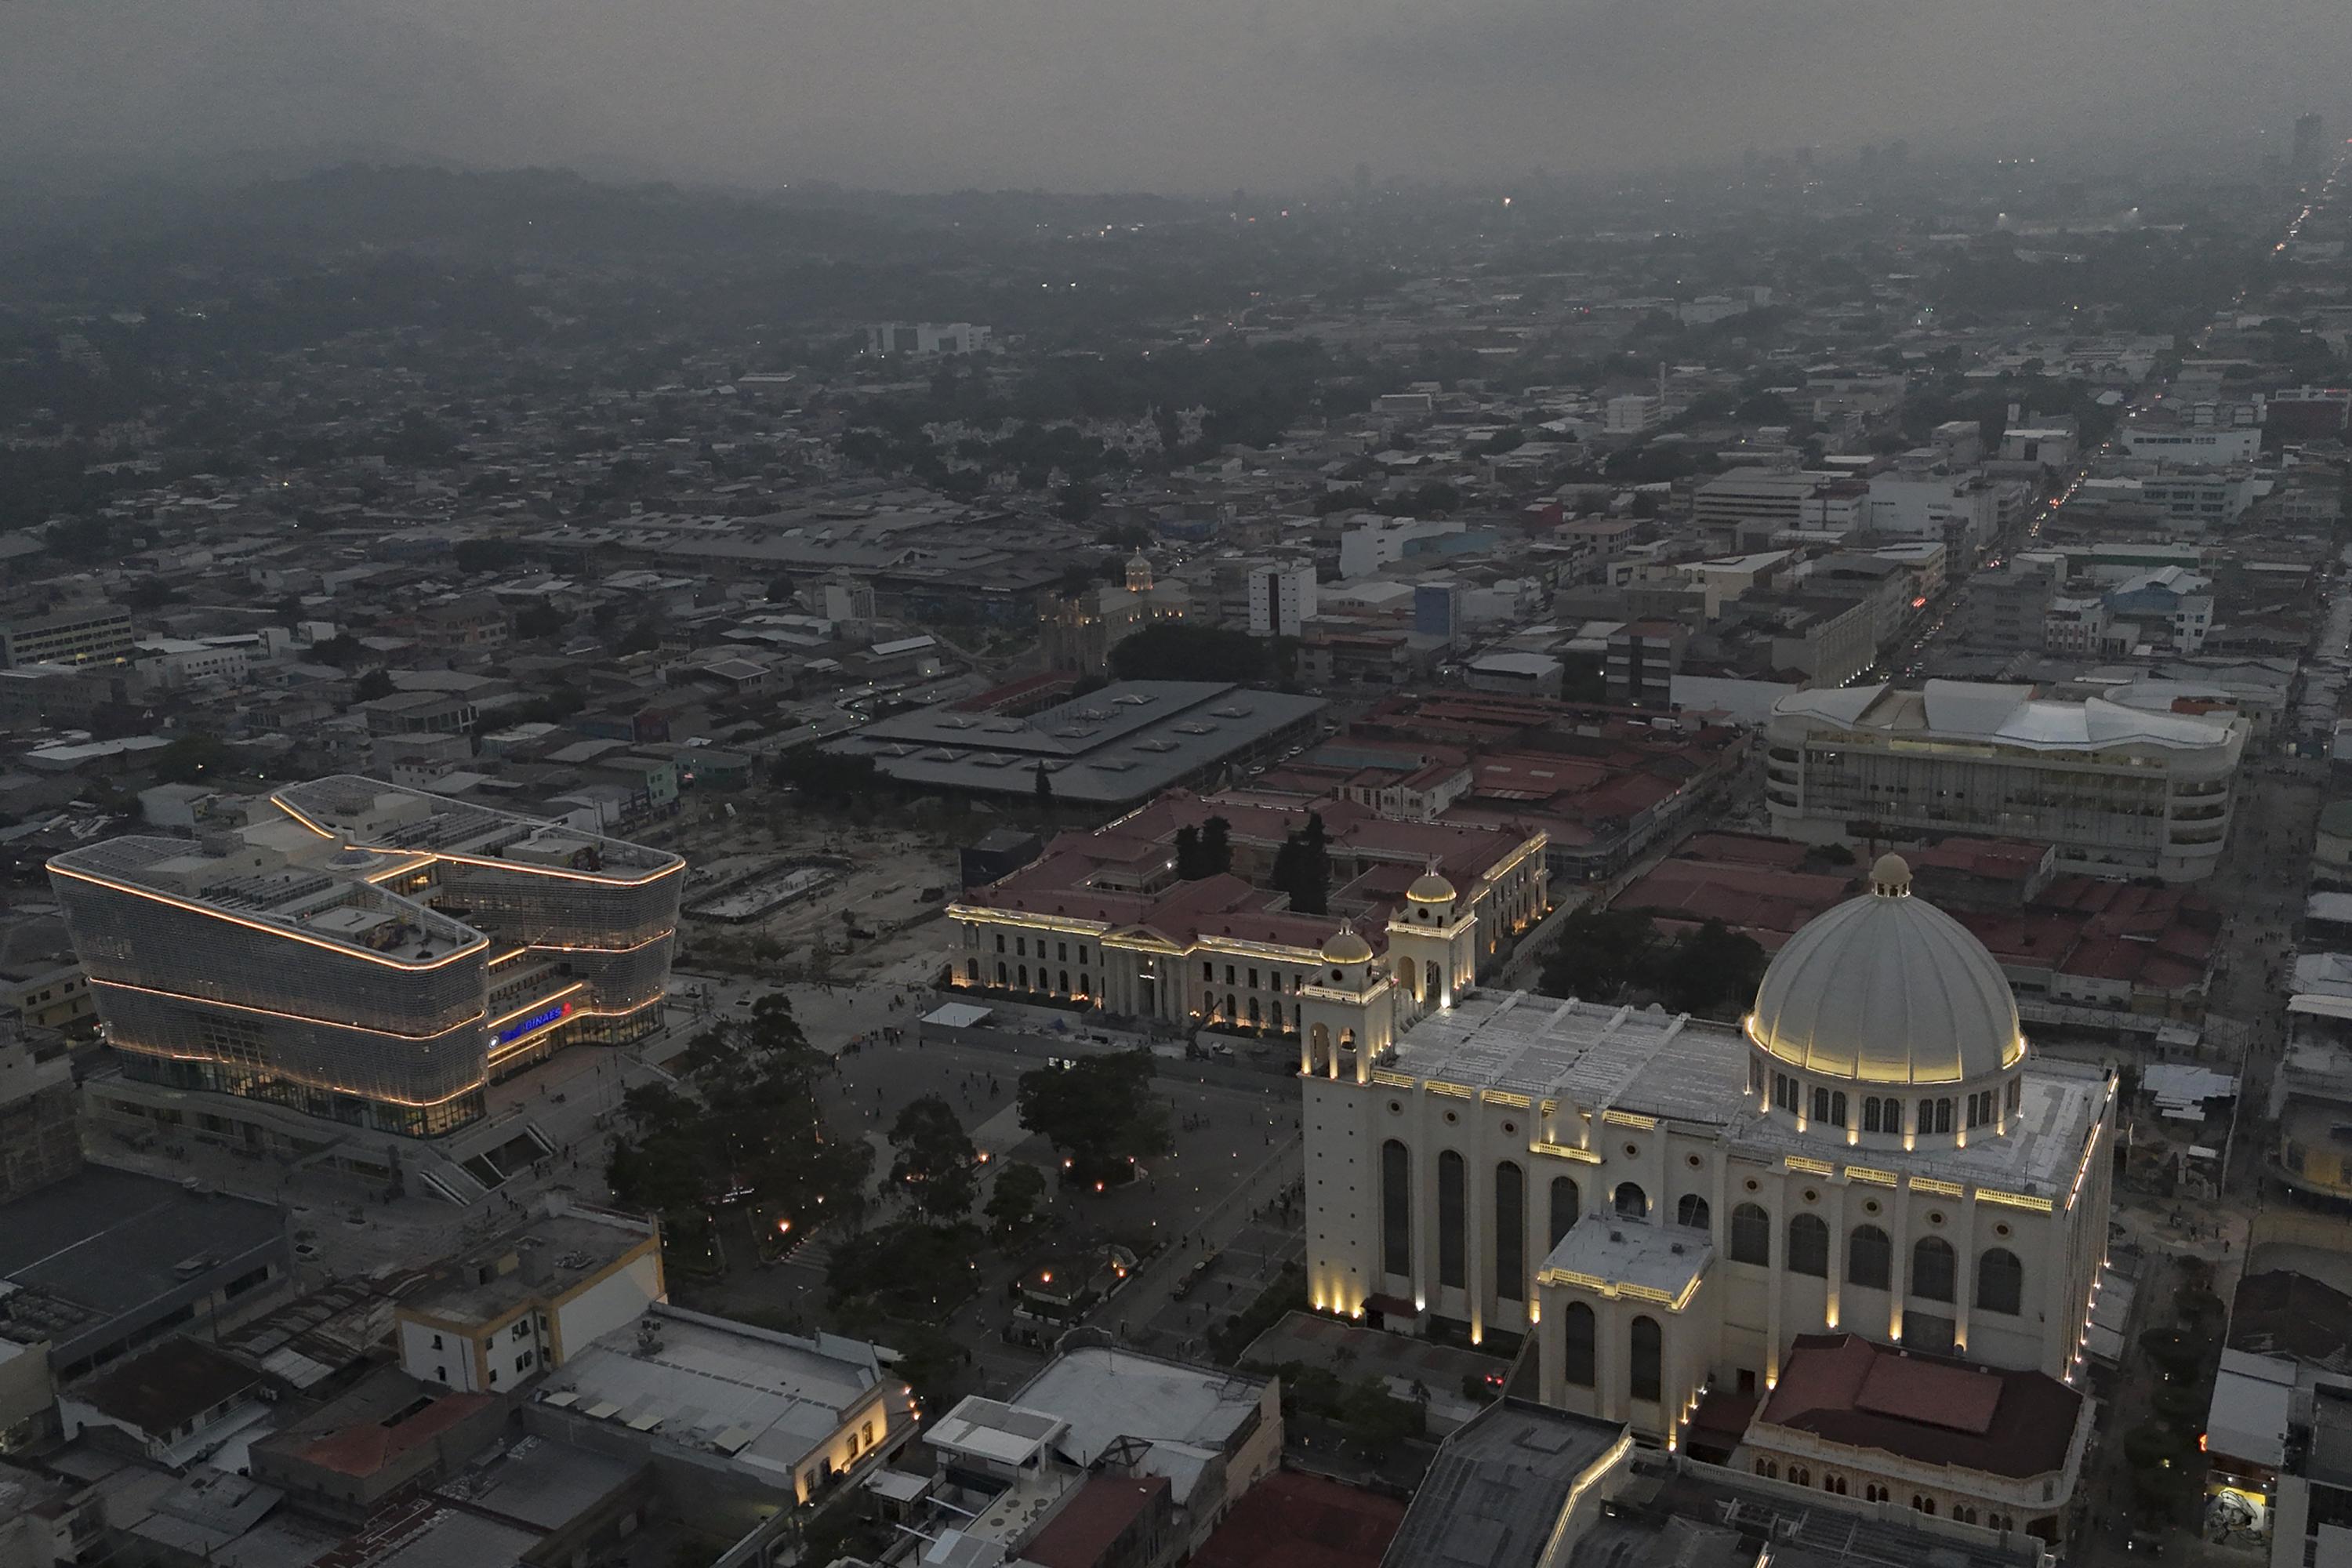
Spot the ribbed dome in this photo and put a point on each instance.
(1429, 887)
(1345, 947)
(1887, 988)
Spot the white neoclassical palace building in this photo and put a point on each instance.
(1668, 1203)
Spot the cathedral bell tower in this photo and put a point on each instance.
(1345, 1015)
(1432, 946)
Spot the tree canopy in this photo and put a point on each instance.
(1099, 1114)
(934, 1159)
(744, 1115)
(1602, 955)
(1302, 867)
(1178, 651)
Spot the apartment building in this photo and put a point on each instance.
(85, 635)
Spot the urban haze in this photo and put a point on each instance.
(1270, 784)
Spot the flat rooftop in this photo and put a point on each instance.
(1661, 1256)
(370, 814)
(1125, 741)
(1650, 1062)
(277, 876)
(1495, 1492)
(1107, 1393)
(102, 1244)
(760, 1397)
(543, 1257)
(1804, 1534)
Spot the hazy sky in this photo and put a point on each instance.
(1177, 95)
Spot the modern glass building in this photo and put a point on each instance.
(366, 954)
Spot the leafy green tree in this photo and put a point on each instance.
(1598, 953)
(1100, 1114)
(341, 650)
(1179, 650)
(1045, 788)
(935, 1158)
(1216, 847)
(1302, 867)
(195, 758)
(374, 685)
(744, 1114)
(477, 557)
(1188, 854)
(540, 620)
(827, 778)
(1711, 970)
(1014, 1202)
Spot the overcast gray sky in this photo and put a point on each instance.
(1173, 95)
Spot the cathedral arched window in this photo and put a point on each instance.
(1809, 1246)
(1869, 1258)
(1751, 1235)
(1931, 1268)
(2001, 1282)
(1567, 1203)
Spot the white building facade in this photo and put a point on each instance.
(1669, 1204)
(1281, 600)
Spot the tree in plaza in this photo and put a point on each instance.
(1014, 1202)
(1098, 1113)
(1216, 847)
(935, 1158)
(744, 1114)
(1188, 854)
(1045, 788)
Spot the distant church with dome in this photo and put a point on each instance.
(1669, 1206)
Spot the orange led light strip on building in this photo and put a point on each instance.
(286, 934)
(281, 1013)
(380, 1096)
(598, 878)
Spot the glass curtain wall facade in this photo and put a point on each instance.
(376, 965)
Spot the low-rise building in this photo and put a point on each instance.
(105, 1261)
(2000, 1449)
(1105, 918)
(519, 1302)
(40, 1131)
(166, 1405)
(757, 1417)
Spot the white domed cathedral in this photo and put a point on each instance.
(1667, 1204)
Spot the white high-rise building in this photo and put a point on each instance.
(1281, 600)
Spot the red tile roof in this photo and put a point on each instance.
(366, 1448)
(1091, 1522)
(1293, 1520)
(1934, 1410)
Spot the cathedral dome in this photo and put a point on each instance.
(1346, 946)
(1887, 988)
